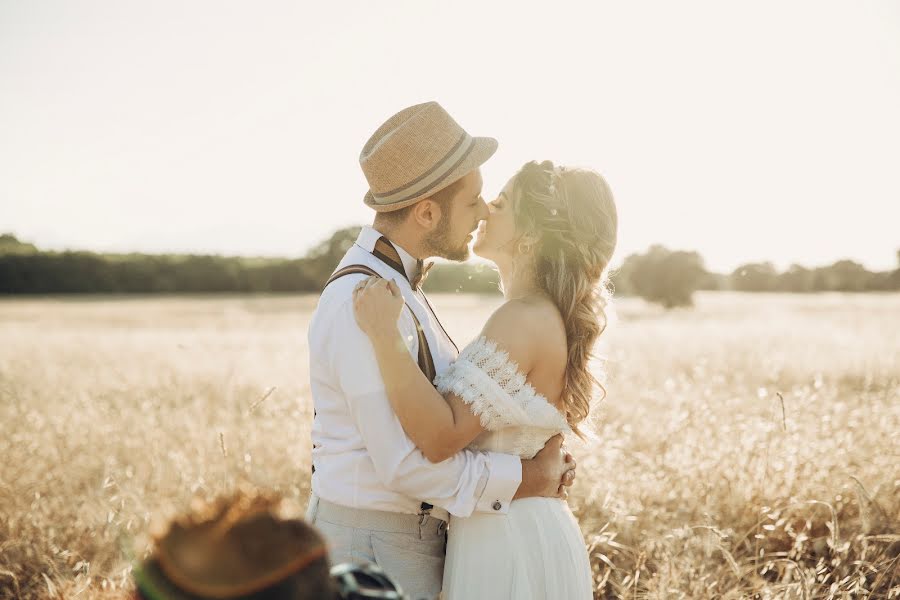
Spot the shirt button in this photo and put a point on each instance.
(497, 505)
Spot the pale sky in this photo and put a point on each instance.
(757, 130)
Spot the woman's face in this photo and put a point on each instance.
(496, 236)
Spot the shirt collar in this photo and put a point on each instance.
(367, 238)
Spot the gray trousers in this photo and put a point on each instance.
(411, 554)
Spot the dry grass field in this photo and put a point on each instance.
(749, 448)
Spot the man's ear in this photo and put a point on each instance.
(427, 213)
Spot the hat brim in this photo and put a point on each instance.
(482, 150)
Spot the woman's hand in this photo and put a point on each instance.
(377, 304)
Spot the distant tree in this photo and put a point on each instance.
(882, 281)
(846, 276)
(663, 276)
(462, 278)
(320, 262)
(9, 244)
(755, 277)
(796, 279)
(713, 282)
(334, 248)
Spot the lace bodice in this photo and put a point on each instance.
(517, 418)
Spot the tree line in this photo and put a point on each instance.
(668, 277)
(26, 269)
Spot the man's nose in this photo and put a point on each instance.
(483, 211)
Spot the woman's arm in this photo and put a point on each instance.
(440, 427)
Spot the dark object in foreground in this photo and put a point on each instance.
(240, 548)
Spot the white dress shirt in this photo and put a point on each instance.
(362, 457)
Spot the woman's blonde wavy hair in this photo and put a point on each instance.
(567, 223)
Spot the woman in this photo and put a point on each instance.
(551, 233)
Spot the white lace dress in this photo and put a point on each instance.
(536, 550)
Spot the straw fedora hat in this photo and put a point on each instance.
(416, 153)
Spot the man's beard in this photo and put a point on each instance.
(439, 243)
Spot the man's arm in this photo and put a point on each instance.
(552, 466)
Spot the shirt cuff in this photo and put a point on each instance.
(502, 484)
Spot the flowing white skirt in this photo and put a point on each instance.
(535, 552)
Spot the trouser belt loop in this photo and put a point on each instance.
(424, 515)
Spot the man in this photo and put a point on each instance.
(376, 497)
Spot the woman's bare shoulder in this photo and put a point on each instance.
(527, 329)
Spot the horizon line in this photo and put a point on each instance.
(473, 259)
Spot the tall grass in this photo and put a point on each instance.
(747, 448)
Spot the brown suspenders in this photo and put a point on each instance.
(425, 360)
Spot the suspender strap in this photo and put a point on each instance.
(425, 360)
(386, 253)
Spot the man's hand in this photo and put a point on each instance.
(549, 473)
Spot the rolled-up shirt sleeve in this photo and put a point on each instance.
(467, 482)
